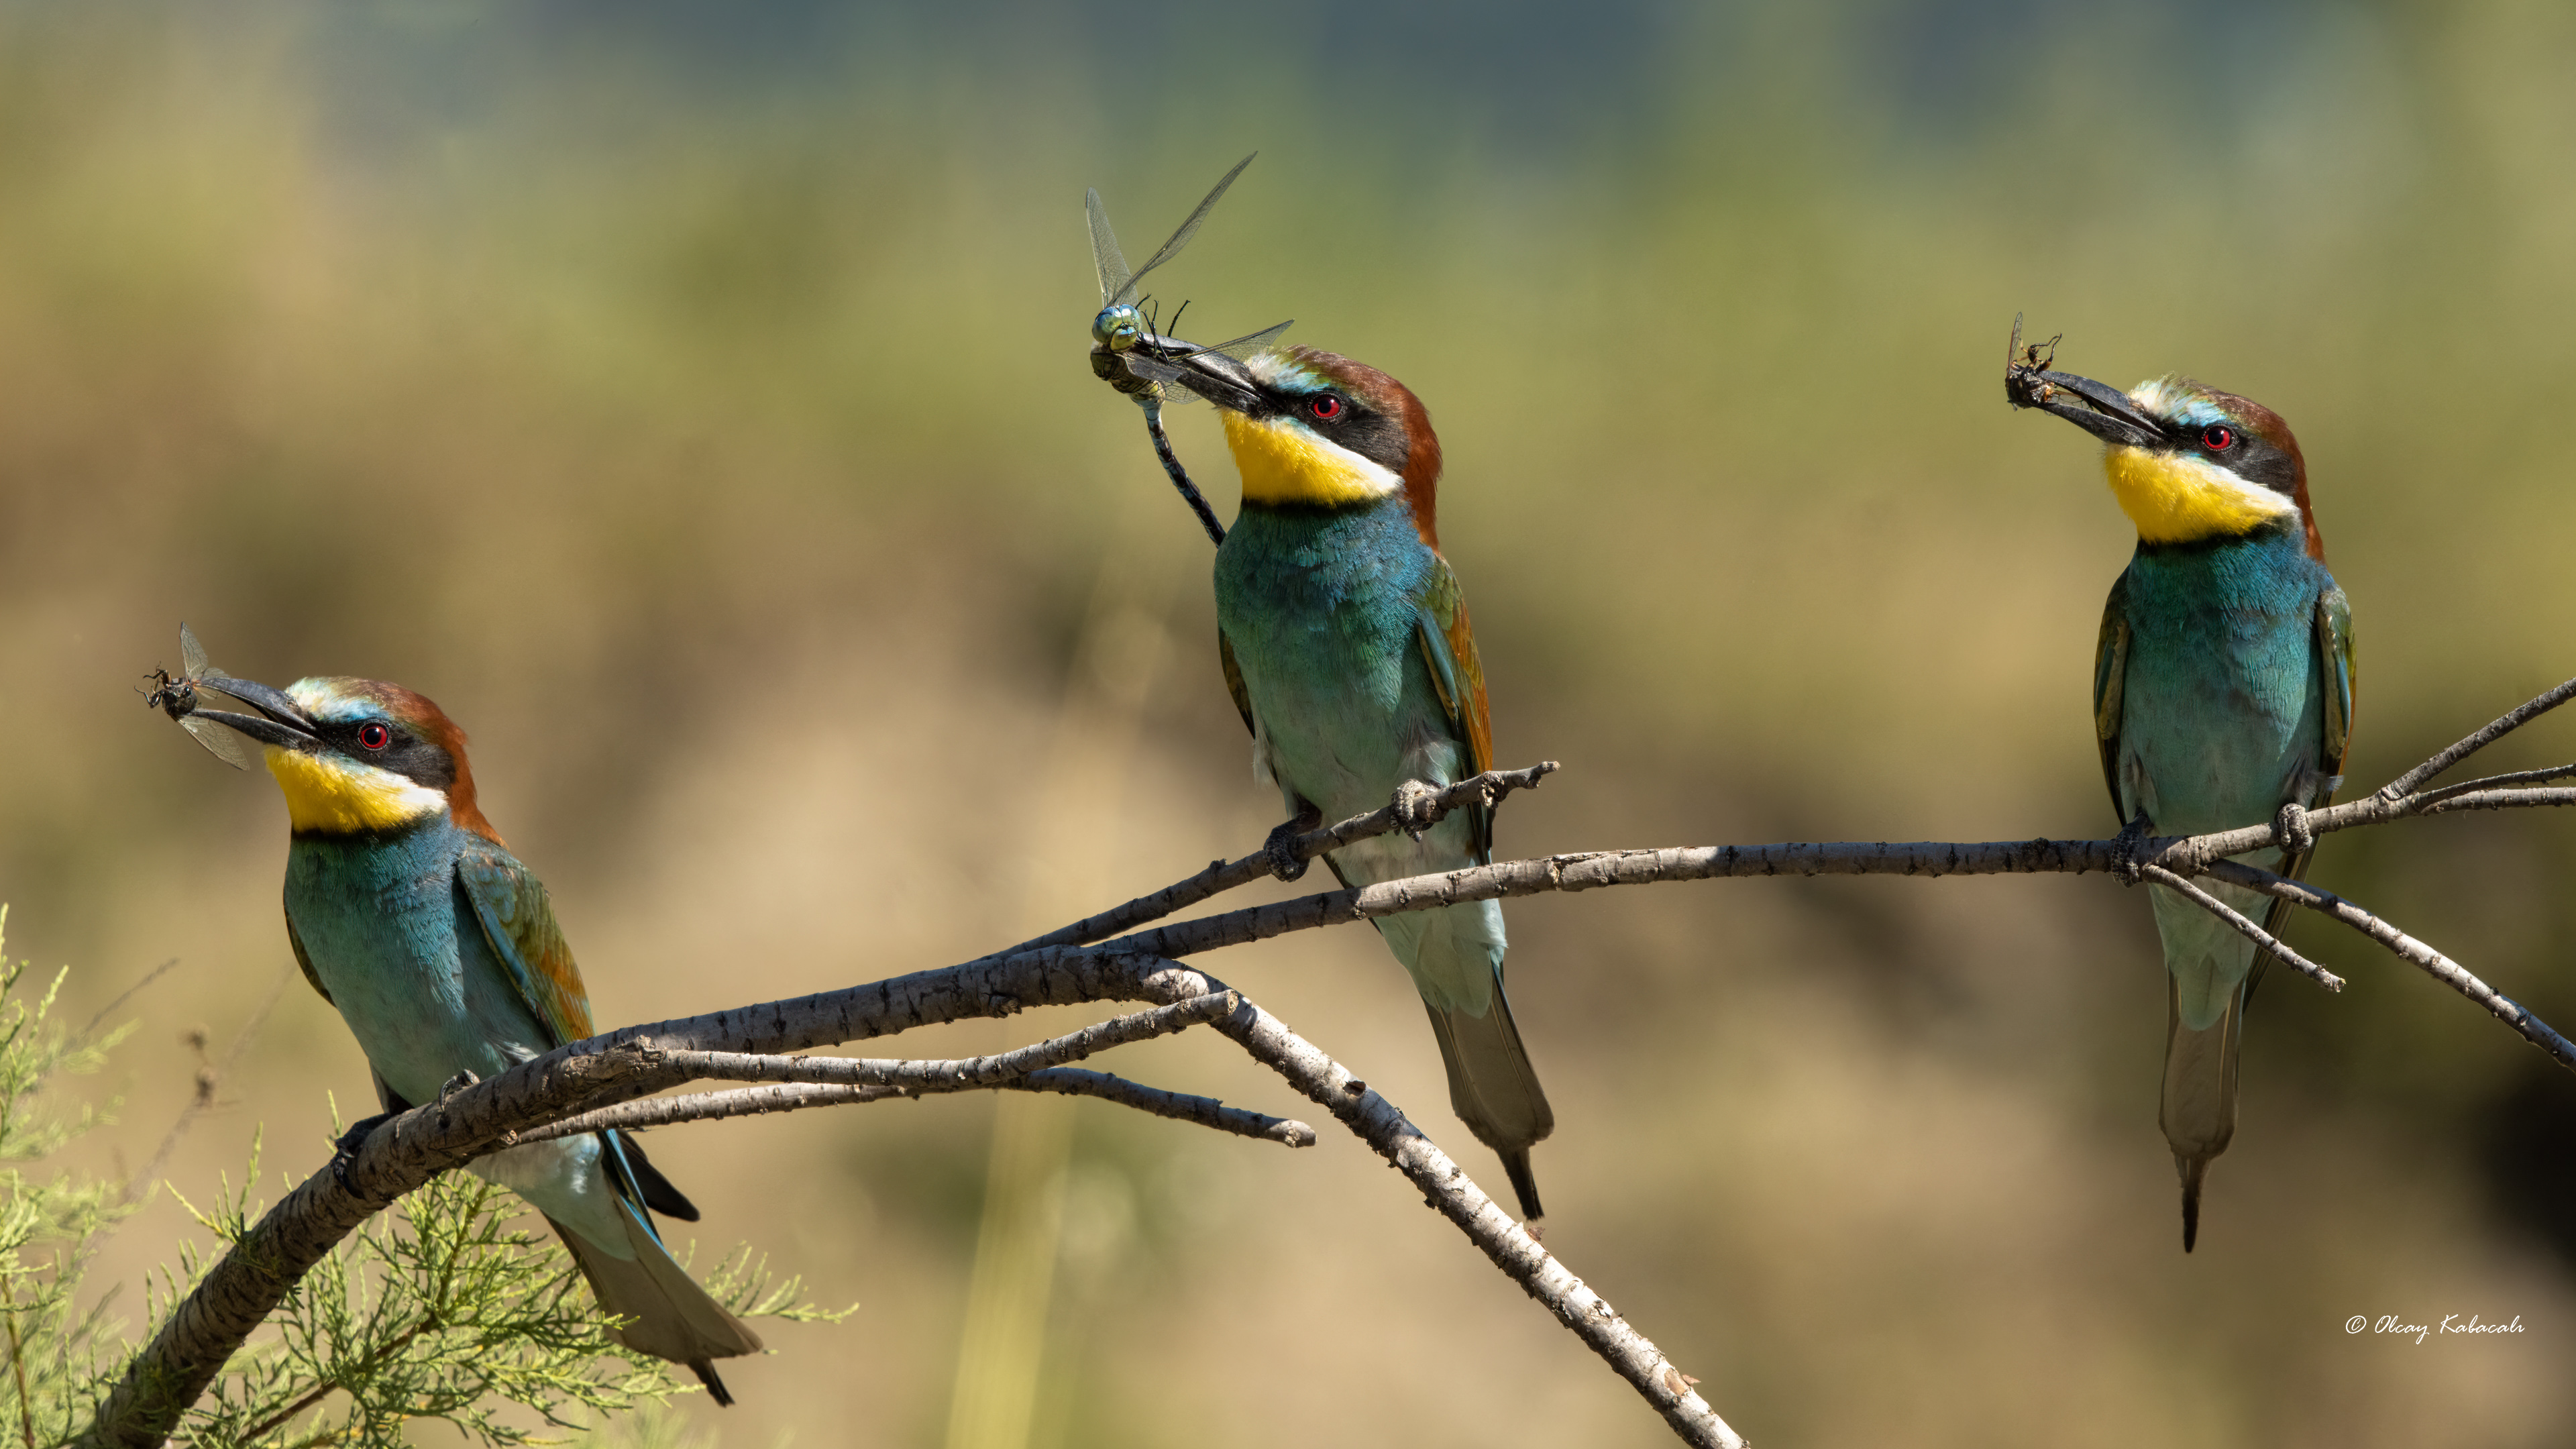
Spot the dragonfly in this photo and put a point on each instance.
(1132, 355)
(176, 696)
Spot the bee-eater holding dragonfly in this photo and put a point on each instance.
(1345, 643)
(2222, 689)
(440, 951)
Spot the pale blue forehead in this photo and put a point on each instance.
(332, 701)
(2168, 397)
(1280, 370)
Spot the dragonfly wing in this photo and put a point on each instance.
(221, 741)
(1116, 286)
(1252, 342)
(1189, 228)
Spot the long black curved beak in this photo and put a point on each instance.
(1221, 380)
(2097, 408)
(1175, 363)
(278, 722)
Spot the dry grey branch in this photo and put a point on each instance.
(1448, 1189)
(793, 1097)
(1179, 1106)
(1487, 789)
(708, 1107)
(752, 1042)
(2243, 925)
(2440, 967)
(2504, 724)
(950, 1076)
(246, 1282)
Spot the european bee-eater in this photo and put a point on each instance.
(1345, 643)
(2222, 690)
(440, 951)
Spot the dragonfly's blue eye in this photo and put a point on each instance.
(1327, 407)
(1116, 328)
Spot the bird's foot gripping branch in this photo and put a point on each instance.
(611, 1081)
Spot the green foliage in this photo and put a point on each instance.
(48, 1222)
(442, 1309)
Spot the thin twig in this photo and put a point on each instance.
(1447, 1188)
(123, 997)
(2503, 725)
(2244, 926)
(949, 1076)
(2440, 967)
(18, 1361)
(707, 1107)
(2497, 782)
(1179, 1106)
(207, 1081)
(797, 1096)
(1487, 789)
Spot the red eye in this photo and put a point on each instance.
(2216, 438)
(374, 736)
(1327, 407)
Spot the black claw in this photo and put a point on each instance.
(345, 1151)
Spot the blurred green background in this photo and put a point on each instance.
(691, 399)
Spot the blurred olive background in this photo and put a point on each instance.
(691, 398)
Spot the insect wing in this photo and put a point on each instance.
(1177, 391)
(1189, 228)
(1165, 377)
(222, 742)
(192, 656)
(1117, 285)
(1249, 343)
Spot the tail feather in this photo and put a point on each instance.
(2199, 1100)
(667, 1314)
(1494, 1090)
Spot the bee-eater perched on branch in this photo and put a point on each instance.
(1345, 644)
(2222, 689)
(440, 951)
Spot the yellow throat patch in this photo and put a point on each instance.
(330, 796)
(1282, 463)
(2180, 498)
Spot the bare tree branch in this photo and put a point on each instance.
(594, 1083)
(2440, 967)
(2504, 724)
(708, 1107)
(246, 1283)
(1179, 1106)
(793, 1097)
(2244, 926)
(2496, 782)
(949, 1076)
(1487, 789)
(1446, 1187)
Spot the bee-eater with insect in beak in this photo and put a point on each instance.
(440, 951)
(2222, 691)
(1345, 644)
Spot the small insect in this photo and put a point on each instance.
(1141, 362)
(2026, 369)
(176, 696)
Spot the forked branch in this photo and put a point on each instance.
(594, 1084)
